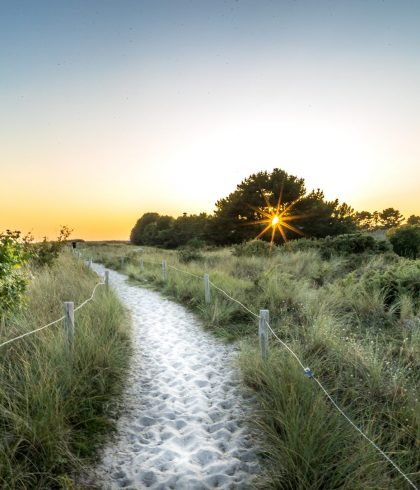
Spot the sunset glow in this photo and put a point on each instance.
(113, 109)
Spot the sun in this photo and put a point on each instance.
(277, 220)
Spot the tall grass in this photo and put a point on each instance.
(55, 405)
(363, 349)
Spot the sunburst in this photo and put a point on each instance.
(277, 220)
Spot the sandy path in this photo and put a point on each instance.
(183, 422)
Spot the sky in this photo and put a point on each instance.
(110, 109)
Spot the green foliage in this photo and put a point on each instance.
(46, 252)
(390, 218)
(253, 248)
(14, 255)
(355, 243)
(406, 240)
(189, 254)
(153, 229)
(413, 220)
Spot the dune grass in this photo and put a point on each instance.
(55, 404)
(364, 349)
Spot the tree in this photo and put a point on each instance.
(390, 218)
(364, 220)
(413, 220)
(136, 236)
(260, 193)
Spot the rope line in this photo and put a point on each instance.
(91, 298)
(52, 323)
(185, 272)
(363, 434)
(233, 299)
(286, 346)
(33, 331)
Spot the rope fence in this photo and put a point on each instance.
(264, 327)
(68, 316)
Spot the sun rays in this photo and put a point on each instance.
(276, 219)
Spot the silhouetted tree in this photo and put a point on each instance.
(390, 218)
(259, 193)
(413, 220)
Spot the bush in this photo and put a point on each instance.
(46, 252)
(355, 243)
(13, 281)
(406, 241)
(253, 248)
(188, 254)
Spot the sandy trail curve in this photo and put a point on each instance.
(182, 426)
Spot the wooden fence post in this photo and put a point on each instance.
(69, 323)
(263, 333)
(141, 264)
(107, 280)
(122, 262)
(164, 270)
(207, 296)
(90, 263)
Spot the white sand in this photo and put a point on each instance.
(182, 426)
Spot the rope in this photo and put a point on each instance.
(52, 323)
(33, 331)
(233, 299)
(91, 298)
(363, 434)
(184, 272)
(286, 346)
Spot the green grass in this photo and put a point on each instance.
(55, 406)
(365, 351)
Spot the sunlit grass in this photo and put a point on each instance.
(366, 353)
(54, 407)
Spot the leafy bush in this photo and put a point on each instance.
(252, 248)
(189, 254)
(396, 279)
(46, 252)
(355, 243)
(13, 281)
(406, 241)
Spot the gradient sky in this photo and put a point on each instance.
(109, 109)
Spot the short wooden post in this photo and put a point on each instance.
(141, 263)
(164, 270)
(122, 262)
(90, 263)
(207, 296)
(69, 323)
(107, 280)
(263, 333)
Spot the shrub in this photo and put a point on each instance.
(13, 281)
(355, 243)
(46, 252)
(252, 248)
(406, 241)
(188, 254)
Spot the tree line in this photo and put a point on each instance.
(240, 216)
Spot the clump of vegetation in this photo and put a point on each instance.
(55, 405)
(46, 252)
(355, 243)
(406, 240)
(356, 327)
(254, 248)
(14, 255)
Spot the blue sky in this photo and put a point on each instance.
(166, 106)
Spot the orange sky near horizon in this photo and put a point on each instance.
(110, 110)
